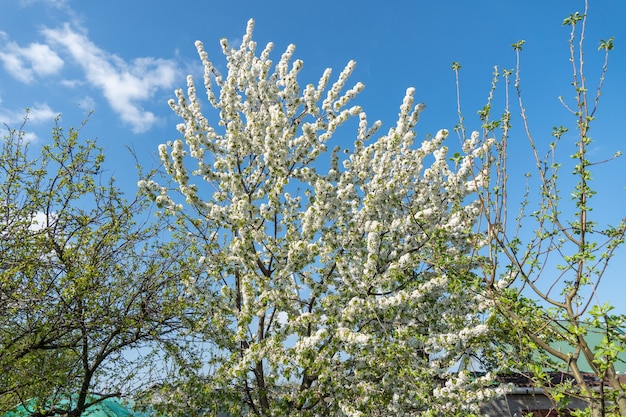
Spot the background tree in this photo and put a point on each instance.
(331, 284)
(543, 268)
(87, 285)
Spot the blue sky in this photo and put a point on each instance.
(124, 59)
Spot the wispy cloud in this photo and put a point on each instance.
(86, 103)
(234, 42)
(23, 63)
(52, 3)
(39, 113)
(125, 85)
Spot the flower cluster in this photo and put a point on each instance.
(365, 259)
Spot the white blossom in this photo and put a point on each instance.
(358, 256)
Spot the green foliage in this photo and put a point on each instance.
(517, 46)
(543, 269)
(84, 279)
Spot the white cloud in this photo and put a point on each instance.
(86, 103)
(39, 113)
(72, 83)
(23, 63)
(234, 43)
(30, 137)
(38, 221)
(123, 84)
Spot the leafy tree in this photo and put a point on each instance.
(542, 269)
(331, 284)
(85, 279)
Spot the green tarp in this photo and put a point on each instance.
(594, 338)
(110, 407)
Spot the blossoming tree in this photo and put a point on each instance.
(331, 284)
